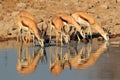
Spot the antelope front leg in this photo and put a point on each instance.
(61, 39)
(33, 37)
(19, 37)
(57, 38)
(51, 29)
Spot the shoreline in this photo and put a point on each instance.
(15, 38)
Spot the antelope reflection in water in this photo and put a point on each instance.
(83, 60)
(28, 62)
(56, 65)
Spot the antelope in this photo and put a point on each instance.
(31, 26)
(62, 19)
(88, 20)
(26, 63)
(25, 14)
(57, 24)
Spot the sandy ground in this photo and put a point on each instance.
(106, 12)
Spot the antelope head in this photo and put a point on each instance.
(106, 36)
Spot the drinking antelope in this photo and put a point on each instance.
(31, 26)
(88, 20)
(62, 19)
(25, 14)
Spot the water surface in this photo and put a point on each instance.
(96, 61)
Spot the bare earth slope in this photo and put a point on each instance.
(106, 12)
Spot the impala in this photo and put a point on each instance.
(88, 20)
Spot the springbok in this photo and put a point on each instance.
(31, 26)
(88, 20)
(62, 19)
(27, 63)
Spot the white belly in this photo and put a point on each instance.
(25, 28)
(66, 24)
(82, 21)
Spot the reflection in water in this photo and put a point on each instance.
(82, 59)
(28, 62)
(6, 57)
(61, 59)
(75, 57)
(78, 62)
(56, 66)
